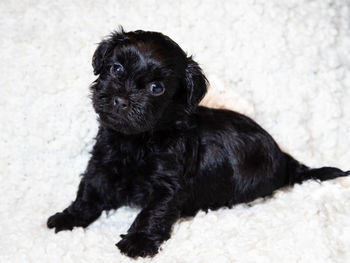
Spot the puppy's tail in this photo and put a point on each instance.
(297, 172)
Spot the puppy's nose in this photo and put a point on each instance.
(121, 103)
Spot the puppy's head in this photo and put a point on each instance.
(145, 82)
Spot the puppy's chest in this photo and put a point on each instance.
(130, 162)
(130, 173)
(135, 160)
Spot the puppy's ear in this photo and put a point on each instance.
(99, 55)
(196, 84)
(116, 38)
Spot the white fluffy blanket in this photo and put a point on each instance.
(285, 63)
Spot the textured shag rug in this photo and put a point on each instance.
(285, 63)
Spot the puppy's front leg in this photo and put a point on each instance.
(150, 228)
(153, 224)
(90, 200)
(86, 208)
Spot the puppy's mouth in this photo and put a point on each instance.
(123, 123)
(114, 119)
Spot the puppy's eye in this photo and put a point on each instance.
(156, 88)
(117, 68)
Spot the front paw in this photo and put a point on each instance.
(138, 245)
(61, 221)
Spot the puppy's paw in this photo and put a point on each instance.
(138, 245)
(61, 221)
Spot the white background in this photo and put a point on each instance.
(285, 63)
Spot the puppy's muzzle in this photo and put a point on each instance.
(121, 104)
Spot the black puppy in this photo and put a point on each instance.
(156, 149)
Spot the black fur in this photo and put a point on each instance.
(161, 152)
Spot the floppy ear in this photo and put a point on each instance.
(105, 46)
(196, 84)
(99, 55)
